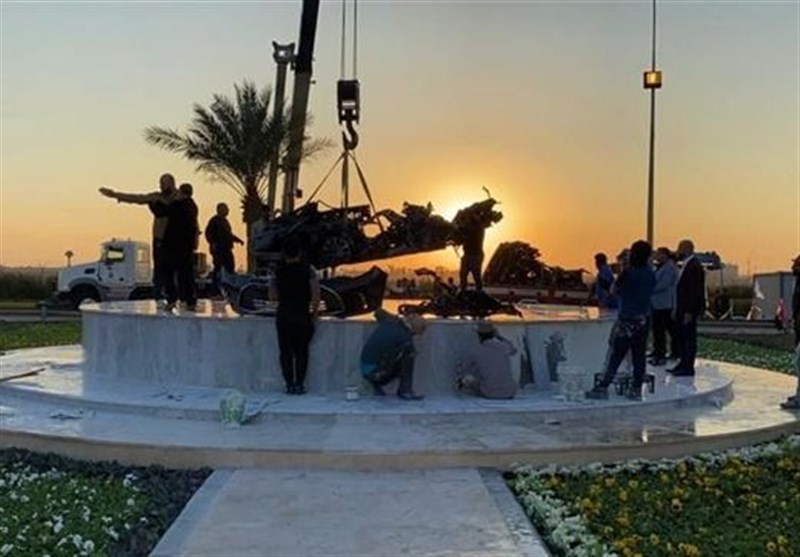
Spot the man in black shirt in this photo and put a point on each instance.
(180, 243)
(473, 233)
(220, 240)
(296, 288)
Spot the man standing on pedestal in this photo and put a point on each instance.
(690, 303)
(157, 202)
(220, 240)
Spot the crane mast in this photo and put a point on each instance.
(302, 84)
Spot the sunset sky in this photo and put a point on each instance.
(539, 101)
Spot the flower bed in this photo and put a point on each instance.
(51, 505)
(740, 502)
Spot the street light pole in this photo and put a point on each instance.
(652, 81)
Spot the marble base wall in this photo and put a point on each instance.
(242, 353)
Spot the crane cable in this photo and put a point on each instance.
(343, 47)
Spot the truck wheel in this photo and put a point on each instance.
(83, 293)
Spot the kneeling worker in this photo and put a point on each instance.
(485, 370)
(389, 353)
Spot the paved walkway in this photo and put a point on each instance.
(296, 513)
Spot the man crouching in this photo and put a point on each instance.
(485, 369)
(389, 353)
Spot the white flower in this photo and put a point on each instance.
(6, 549)
(111, 533)
(88, 546)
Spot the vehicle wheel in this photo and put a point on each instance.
(330, 302)
(254, 298)
(83, 293)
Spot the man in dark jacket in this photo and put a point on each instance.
(180, 243)
(389, 353)
(796, 300)
(793, 402)
(690, 303)
(220, 240)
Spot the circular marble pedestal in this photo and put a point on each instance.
(214, 347)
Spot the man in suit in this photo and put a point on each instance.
(690, 303)
(663, 303)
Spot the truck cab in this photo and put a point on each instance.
(123, 272)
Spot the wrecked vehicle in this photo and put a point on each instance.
(335, 237)
(450, 301)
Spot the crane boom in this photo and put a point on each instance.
(302, 83)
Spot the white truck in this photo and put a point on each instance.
(124, 272)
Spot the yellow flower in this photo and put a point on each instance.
(688, 550)
(623, 520)
(610, 482)
(654, 539)
(633, 484)
(772, 548)
(623, 495)
(676, 505)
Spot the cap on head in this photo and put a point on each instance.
(796, 261)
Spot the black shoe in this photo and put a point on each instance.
(634, 394)
(410, 396)
(289, 390)
(676, 369)
(377, 390)
(682, 373)
(300, 390)
(598, 393)
(657, 362)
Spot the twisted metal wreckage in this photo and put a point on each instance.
(341, 236)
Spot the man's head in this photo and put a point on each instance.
(166, 183)
(640, 253)
(186, 189)
(485, 331)
(796, 266)
(600, 260)
(416, 323)
(222, 209)
(685, 248)
(663, 255)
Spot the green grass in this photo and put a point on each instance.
(18, 304)
(30, 335)
(755, 352)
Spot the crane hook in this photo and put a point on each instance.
(350, 137)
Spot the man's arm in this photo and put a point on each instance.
(137, 198)
(315, 292)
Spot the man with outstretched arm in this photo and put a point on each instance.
(156, 202)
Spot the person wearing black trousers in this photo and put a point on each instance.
(296, 289)
(180, 242)
(690, 303)
(663, 302)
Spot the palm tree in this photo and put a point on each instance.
(233, 140)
